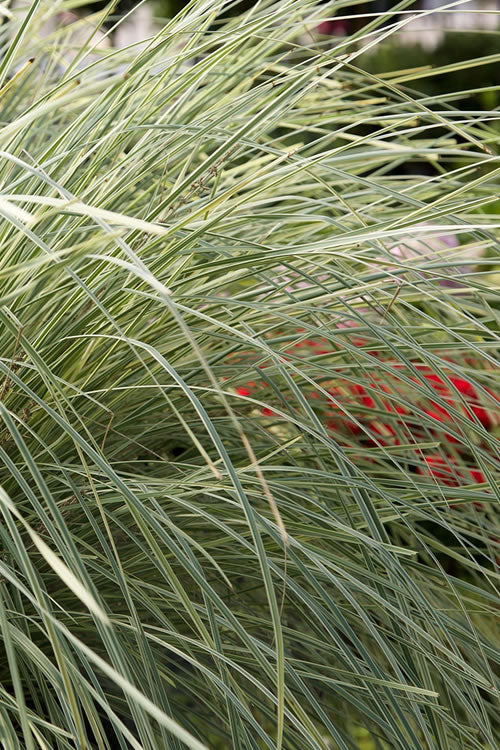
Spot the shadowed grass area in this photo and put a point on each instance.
(249, 394)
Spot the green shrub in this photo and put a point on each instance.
(445, 70)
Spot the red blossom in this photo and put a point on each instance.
(243, 391)
(439, 468)
(443, 470)
(477, 476)
(357, 400)
(267, 412)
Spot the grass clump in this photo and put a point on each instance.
(249, 394)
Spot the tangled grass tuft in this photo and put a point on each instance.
(249, 394)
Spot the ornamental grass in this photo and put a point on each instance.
(249, 314)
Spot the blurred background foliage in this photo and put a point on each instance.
(475, 87)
